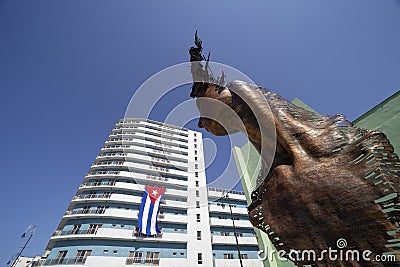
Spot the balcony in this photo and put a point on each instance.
(140, 260)
(164, 139)
(226, 209)
(75, 232)
(123, 214)
(138, 176)
(137, 148)
(64, 261)
(118, 234)
(163, 160)
(163, 133)
(107, 197)
(173, 204)
(122, 198)
(119, 158)
(106, 213)
(140, 142)
(228, 223)
(163, 127)
(142, 167)
(233, 194)
(236, 263)
(231, 240)
(173, 218)
(109, 155)
(103, 173)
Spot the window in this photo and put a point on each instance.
(174, 253)
(196, 166)
(101, 209)
(244, 256)
(195, 152)
(198, 235)
(195, 158)
(228, 256)
(197, 193)
(195, 146)
(195, 140)
(81, 256)
(76, 228)
(197, 183)
(105, 251)
(198, 217)
(93, 229)
(199, 258)
(152, 257)
(134, 257)
(85, 210)
(60, 256)
(196, 174)
(115, 251)
(197, 204)
(107, 194)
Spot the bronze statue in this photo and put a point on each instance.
(328, 180)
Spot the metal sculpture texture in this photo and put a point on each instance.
(328, 180)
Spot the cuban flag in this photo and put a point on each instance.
(149, 210)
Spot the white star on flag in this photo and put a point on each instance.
(155, 192)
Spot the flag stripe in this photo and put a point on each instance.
(140, 224)
(145, 214)
(149, 220)
(154, 228)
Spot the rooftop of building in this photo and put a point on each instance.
(155, 122)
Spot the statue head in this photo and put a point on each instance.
(217, 110)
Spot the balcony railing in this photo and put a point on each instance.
(138, 234)
(155, 177)
(76, 260)
(225, 191)
(106, 183)
(137, 260)
(96, 211)
(104, 195)
(76, 232)
(103, 172)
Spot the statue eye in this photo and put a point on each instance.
(200, 123)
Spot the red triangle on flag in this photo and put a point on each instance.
(154, 192)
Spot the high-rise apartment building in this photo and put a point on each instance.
(100, 226)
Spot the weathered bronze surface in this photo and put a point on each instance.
(328, 180)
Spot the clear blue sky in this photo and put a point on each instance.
(69, 68)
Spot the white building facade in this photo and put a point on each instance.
(99, 227)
